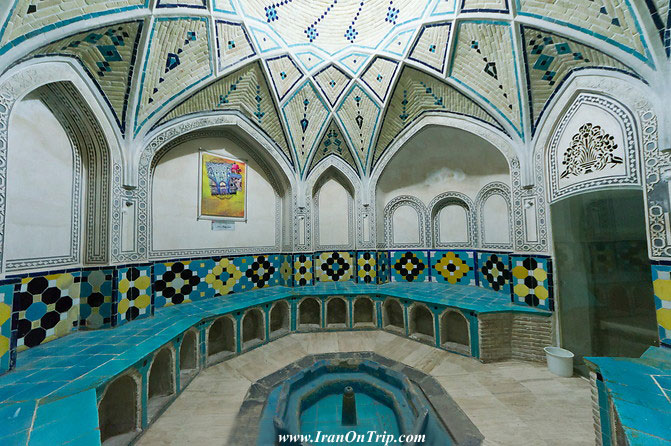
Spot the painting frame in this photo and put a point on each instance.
(203, 213)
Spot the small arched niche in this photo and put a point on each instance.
(188, 356)
(337, 314)
(406, 226)
(495, 214)
(392, 316)
(452, 220)
(421, 325)
(221, 339)
(280, 319)
(455, 332)
(309, 314)
(363, 313)
(333, 201)
(160, 382)
(253, 328)
(119, 410)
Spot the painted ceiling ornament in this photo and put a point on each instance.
(591, 150)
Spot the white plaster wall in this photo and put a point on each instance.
(175, 201)
(39, 184)
(437, 160)
(333, 214)
(496, 220)
(405, 225)
(453, 224)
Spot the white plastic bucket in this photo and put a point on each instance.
(560, 361)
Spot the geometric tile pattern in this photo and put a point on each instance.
(108, 56)
(45, 308)
(366, 267)
(95, 309)
(661, 17)
(485, 5)
(333, 143)
(233, 44)
(133, 299)
(6, 295)
(223, 6)
(409, 266)
(661, 281)
(302, 270)
(532, 282)
(177, 59)
(262, 271)
(430, 48)
(333, 266)
(354, 62)
(494, 271)
(286, 270)
(416, 93)
(332, 81)
(382, 267)
(550, 59)
(186, 3)
(359, 116)
(175, 283)
(399, 44)
(305, 114)
(246, 91)
(223, 276)
(482, 62)
(29, 16)
(284, 74)
(605, 19)
(453, 267)
(378, 76)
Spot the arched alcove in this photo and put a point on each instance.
(333, 211)
(309, 314)
(280, 319)
(495, 209)
(58, 189)
(253, 328)
(420, 323)
(220, 339)
(188, 356)
(160, 381)
(452, 220)
(392, 316)
(454, 332)
(434, 160)
(337, 314)
(119, 410)
(363, 313)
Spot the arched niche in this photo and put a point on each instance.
(452, 221)
(253, 328)
(363, 313)
(59, 184)
(392, 316)
(280, 319)
(455, 331)
(333, 211)
(434, 159)
(220, 339)
(405, 223)
(495, 216)
(309, 314)
(188, 356)
(421, 323)
(120, 410)
(175, 198)
(161, 381)
(337, 313)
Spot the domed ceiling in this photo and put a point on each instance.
(336, 77)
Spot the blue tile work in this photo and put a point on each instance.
(453, 267)
(223, 275)
(178, 282)
(133, 298)
(494, 271)
(45, 308)
(286, 270)
(263, 271)
(334, 266)
(661, 282)
(303, 272)
(383, 269)
(409, 266)
(95, 306)
(366, 267)
(6, 295)
(532, 281)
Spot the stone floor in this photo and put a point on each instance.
(512, 402)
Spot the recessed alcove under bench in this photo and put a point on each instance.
(117, 381)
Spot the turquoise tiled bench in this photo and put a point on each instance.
(72, 375)
(632, 398)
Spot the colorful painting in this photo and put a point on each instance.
(223, 188)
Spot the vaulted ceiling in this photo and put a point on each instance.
(337, 77)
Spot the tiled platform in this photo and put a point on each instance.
(31, 396)
(640, 391)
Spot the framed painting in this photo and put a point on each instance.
(223, 188)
